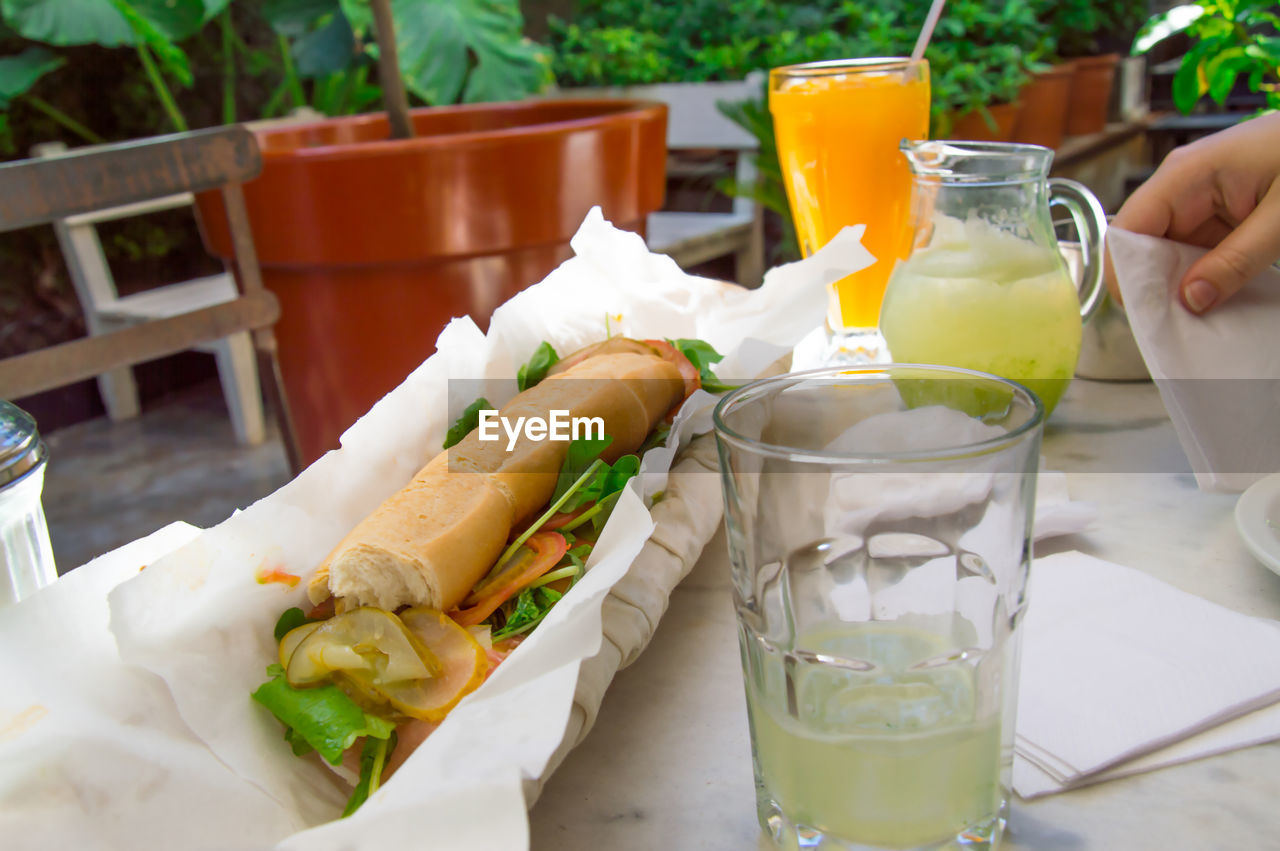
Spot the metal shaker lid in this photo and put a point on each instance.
(21, 448)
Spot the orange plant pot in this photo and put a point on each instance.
(973, 126)
(1043, 117)
(372, 245)
(1090, 94)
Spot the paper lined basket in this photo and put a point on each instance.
(200, 622)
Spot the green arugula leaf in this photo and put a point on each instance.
(466, 423)
(373, 757)
(529, 374)
(702, 356)
(605, 507)
(656, 438)
(622, 471)
(526, 610)
(324, 718)
(531, 607)
(581, 455)
(604, 490)
(291, 620)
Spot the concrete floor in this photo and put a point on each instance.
(110, 483)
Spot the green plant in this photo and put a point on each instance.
(628, 42)
(321, 52)
(1231, 39)
(983, 52)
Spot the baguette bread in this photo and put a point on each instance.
(433, 540)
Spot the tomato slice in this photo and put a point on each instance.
(545, 548)
(692, 377)
(555, 521)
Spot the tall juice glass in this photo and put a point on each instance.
(879, 522)
(838, 126)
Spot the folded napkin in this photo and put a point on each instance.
(1218, 374)
(1118, 666)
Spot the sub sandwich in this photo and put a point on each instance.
(416, 605)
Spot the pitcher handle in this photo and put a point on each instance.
(1091, 224)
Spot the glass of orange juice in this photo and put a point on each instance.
(838, 126)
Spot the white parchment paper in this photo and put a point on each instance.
(199, 622)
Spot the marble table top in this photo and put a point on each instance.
(667, 765)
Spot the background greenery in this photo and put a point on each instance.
(1232, 42)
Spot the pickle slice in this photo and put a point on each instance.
(462, 659)
(367, 644)
(293, 638)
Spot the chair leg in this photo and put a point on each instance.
(748, 261)
(119, 394)
(238, 371)
(273, 384)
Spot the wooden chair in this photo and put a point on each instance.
(133, 175)
(105, 310)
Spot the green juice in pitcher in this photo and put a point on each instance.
(985, 286)
(980, 298)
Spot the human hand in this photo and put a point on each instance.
(1221, 192)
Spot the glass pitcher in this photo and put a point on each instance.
(984, 285)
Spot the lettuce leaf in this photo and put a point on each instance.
(323, 718)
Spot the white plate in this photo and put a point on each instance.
(1258, 519)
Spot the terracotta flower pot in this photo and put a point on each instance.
(1090, 93)
(1043, 118)
(372, 244)
(973, 126)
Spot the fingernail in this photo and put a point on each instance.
(1200, 295)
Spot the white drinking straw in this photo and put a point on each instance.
(926, 32)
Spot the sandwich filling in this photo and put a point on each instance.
(416, 606)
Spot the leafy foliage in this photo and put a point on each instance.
(471, 50)
(19, 73)
(324, 56)
(1231, 40)
(1092, 27)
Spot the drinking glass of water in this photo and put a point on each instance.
(879, 526)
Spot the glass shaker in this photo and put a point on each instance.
(26, 557)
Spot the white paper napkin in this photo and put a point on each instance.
(1117, 665)
(1218, 374)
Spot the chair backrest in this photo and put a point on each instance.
(40, 191)
(82, 250)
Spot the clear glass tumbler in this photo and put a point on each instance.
(879, 526)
